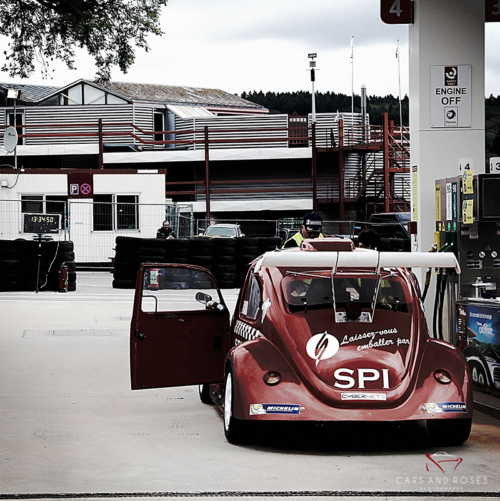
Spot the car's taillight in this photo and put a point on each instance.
(442, 376)
(272, 377)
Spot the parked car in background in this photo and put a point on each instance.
(393, 230)
(391, 224)
(224, 231)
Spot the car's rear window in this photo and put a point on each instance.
(312, 292)
(218, 231)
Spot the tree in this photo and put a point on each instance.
(45, 30)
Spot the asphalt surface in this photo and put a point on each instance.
(71, 427)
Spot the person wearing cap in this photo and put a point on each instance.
(311, 228)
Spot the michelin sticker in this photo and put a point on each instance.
(258, 409)
(439, 407)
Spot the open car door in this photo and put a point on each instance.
(179, 329)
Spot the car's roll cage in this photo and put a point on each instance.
(350, 304)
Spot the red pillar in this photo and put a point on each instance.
(386, 163)
(207, 177)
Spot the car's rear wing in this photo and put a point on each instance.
(359, 259)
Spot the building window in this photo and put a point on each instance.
(45, 204)
(116, 212)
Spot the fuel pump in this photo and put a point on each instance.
(468, 224)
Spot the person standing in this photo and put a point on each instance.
(165, 231)
(312, 226)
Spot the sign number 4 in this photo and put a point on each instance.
(396, 11)
(396, 8)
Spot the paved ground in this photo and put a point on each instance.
(71, 427)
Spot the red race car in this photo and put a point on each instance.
(324, 332)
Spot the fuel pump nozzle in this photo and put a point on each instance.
(480, 287)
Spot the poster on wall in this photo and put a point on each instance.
(451, 96)
(480, 326)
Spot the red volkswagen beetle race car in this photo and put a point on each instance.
(324, 332)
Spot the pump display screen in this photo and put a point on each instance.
(490, 201)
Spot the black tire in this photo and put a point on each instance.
(123, 284)
(71, 265)
(151, 252)
(124, 275)
(71, 286)
(125, 254)
(475, 359)
(224, 259)
(65, 256)
(177, 244)
(227, 284)
(204, 261)
(449, 432)
(478, 373)
(72, 276)
(268, 244)
(128, 241)
(225, 268)
(153, 243)
(247, 258)
(204, 391)
(235, 430)
(8, 264)
(9, 253)
(66, 246)
(9, 285)
(227, 277)
(201, 246)
(178, 260)
(225, 243)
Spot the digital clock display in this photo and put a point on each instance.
(41, 223)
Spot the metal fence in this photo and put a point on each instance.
(93, 225)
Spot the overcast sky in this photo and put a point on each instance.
(247, 45)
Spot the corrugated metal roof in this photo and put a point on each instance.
(149, 93)
(31, 93)
(189, 111)
(175, 94)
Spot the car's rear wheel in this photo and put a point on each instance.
(449, 431)
(204, 390)
(234, 429)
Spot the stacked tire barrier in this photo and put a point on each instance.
(19, 265)
(227, 258)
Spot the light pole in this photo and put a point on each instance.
(312, 67)
(14, 94)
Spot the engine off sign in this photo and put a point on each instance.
(451, 101)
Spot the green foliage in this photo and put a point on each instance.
(299, 103)
(44, 30)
